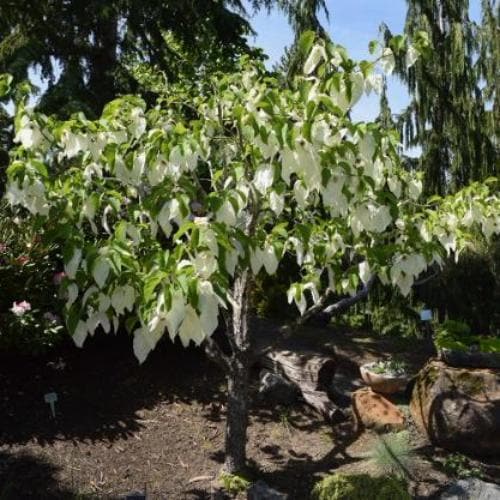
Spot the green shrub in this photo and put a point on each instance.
(454, 328)
(355, 318)
(468, 290)
(269, 299)
(360, 487)
(460, 466)
(396, 318)
(456, 336)
(394, 367)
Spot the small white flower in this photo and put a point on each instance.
(374, 82)
(269, 259)
(72, 265)
(191, 328)
(29, 133)
(80, 334)
(205, 264)
(100, 271)
(276, 202)
(415, 189)
(123, 298)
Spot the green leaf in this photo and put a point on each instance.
(150, 284)
(180, 129)
(40, 168)
(280, 229)
(398, 43)
(372, 46)
(306, 42)
(130, 323)
(5, 82)
(184, 229)
(72, 317)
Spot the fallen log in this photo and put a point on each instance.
(311, 372)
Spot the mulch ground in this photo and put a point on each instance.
(157, 428)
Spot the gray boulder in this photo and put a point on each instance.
(471, 489)
(261, 491)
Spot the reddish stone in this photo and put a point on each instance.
(373, 411)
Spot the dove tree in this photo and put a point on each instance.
(167, 215)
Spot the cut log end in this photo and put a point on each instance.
(312, 373)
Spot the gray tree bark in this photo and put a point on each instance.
(237, 379)
(236, 418)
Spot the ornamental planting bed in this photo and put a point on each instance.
(121, 427)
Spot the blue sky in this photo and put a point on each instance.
(353, 24)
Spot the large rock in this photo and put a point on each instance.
(458, 408)
(471, 489)
(373, 411)
(261, 491)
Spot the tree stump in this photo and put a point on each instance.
(311, 372)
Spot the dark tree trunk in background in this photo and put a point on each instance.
(103, 62)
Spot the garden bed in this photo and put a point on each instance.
(122, 427)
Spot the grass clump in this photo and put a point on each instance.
(234, 483)
(393, 454)
(358, 486)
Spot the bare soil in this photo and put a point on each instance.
(158, 428)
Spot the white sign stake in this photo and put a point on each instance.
(51, 398)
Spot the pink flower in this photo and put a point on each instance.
(20, 308)
(58, 278)
(3, 247)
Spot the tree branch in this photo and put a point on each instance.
(315, 309)
(319, 310)
(214, 352)
(344, 304)
(426, 279)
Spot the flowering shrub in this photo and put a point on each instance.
(30, 310)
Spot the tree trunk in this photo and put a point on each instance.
(238, 377)
(237, 418)
(103, 61)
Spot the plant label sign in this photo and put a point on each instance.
(51, 398)
(425, 315)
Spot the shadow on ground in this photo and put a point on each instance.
(24, 475)
(100, 389)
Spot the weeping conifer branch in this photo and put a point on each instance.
(454, 104)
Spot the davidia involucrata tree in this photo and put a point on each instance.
(166, 215)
